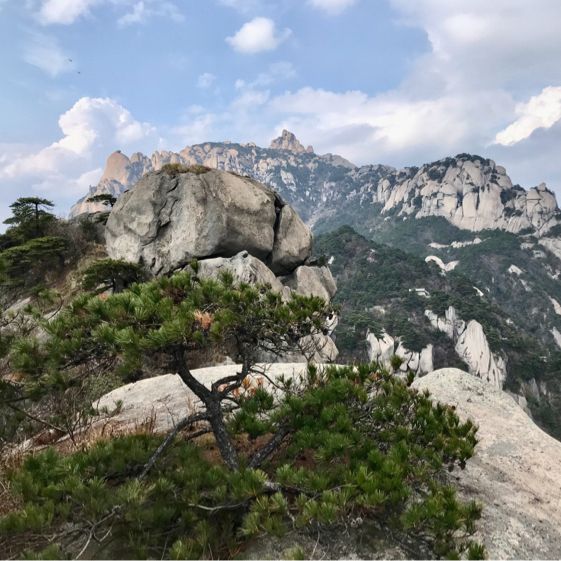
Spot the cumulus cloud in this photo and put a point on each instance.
(91, 129)
(258, 35)
(332, 7)
(45, 53)
(540, 111)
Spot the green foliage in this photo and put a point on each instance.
(360, 443)
(376, 292)
(104, 198)
(28, 263)
(111, 274)
(29, 219)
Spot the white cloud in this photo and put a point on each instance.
(45, 53)
(64, 11)
(259, 34)
(389, 128)
(91, 129)
(332, 7)
(206, 80)
(481, 44)
(145, 10)
(540, 111)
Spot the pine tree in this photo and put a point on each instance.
(30, 217)
(106, 199)
(111, 274)
(333, 445)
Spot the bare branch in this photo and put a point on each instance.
(184, 423)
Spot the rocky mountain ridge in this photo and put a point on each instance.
(470, 192)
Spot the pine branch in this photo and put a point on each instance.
(263, 453)
(184, 423)
(33, 417)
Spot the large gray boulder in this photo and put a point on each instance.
(312, 281)
(293, 242)
(514, 473)
(167, 220)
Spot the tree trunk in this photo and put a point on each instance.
(223, 440)
(213, 406)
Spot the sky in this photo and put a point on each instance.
(398, 82)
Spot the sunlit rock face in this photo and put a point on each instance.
(471, 192)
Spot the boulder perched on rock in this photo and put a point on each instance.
(168, 219)
(514, 473)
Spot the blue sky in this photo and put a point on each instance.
(399, 82)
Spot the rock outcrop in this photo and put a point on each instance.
(312, 281)
(472, 193)
(228, 223)
(471, 345)
(288, 141)
(382, 349)
(168, 220)
(244, 267)
(514, 473)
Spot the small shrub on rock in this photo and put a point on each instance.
(177, 169)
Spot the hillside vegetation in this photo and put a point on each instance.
(376, 291)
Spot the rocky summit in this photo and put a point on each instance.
(470, 192)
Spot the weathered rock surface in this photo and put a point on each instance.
(244, 267)
(287, 141)
(293, 242)
(312, 281)
(168, 220)
(514, 473)
(382, 349)
(159, 402)
(471, 345)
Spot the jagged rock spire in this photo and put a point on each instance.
(288, 141)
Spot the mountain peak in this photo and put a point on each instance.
(288, 141)
(116, 167)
